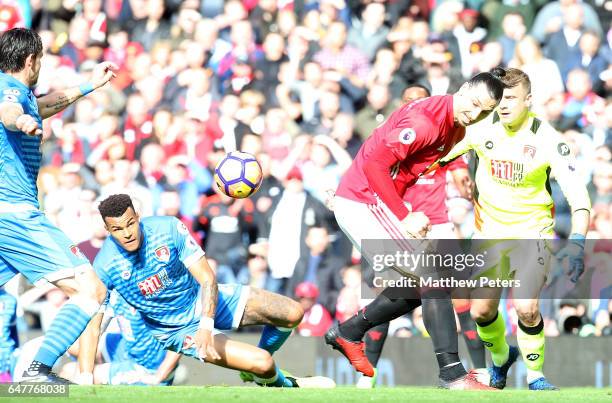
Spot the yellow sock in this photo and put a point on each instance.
(493, 336)
(531, 342)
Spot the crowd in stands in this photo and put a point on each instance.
(299, 84)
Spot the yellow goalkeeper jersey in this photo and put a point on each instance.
(513, 197)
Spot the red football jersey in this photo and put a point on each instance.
(428, 194)
(391, 159)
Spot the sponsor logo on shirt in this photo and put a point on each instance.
(162, 254)
(507, 172)
(154, 284)
(563, 149)
(11, 91)
(489, 145)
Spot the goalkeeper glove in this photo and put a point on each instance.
(574, 251)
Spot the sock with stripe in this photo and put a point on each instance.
(439, 320)
(277, 381)
(66, 328)
(493, 336)
(272, 338)
(531, 343)
(470, 335)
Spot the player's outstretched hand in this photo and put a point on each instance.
(416, 225)
(28, 125)
(205, 345)
(103, 73)
(574, 251)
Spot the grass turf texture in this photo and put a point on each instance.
(199, 394)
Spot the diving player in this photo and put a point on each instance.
(158, 268)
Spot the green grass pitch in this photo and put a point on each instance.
(200, 394)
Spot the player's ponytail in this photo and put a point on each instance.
(493, 80)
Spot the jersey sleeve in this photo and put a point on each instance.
(12, 94)
(187, 248)
(458, 163)
(396, 146)
(563, 167)
(458, 149)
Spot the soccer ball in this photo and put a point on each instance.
(238, 175)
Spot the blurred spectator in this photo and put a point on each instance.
(316, 319)
(580, 100)
(369, 33)
(319, 267)
(550, 18)
(514, 30)
(336, 55)
(349, 297)
(467, 33)
(225, 222)
(562, 46)
(256, 273)
(378, 108)
(591, 59)
(546, 80)
(293, 214)
(152, 29)
(91, 246)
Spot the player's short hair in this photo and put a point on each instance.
(15, 46)
(492, 80)
(515, 77)
(115, 205)
(422, 86)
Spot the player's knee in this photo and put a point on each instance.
(262, 363)
(527, 312)
(296, 313)
(482, 312)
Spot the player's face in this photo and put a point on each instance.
(125, 229)
(514, 106)
(473, 104)
(35, 71)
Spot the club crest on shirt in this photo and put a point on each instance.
(407, 136)
(162, 254)
(76, 251)
(529, 151)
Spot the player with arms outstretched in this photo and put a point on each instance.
(369, 205)
(517, 151)
(29, 243)
(159, 269)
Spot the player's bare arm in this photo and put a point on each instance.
(205, 276)
(88, 345)
(267, 308)
(165, 369)
(57, 101)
